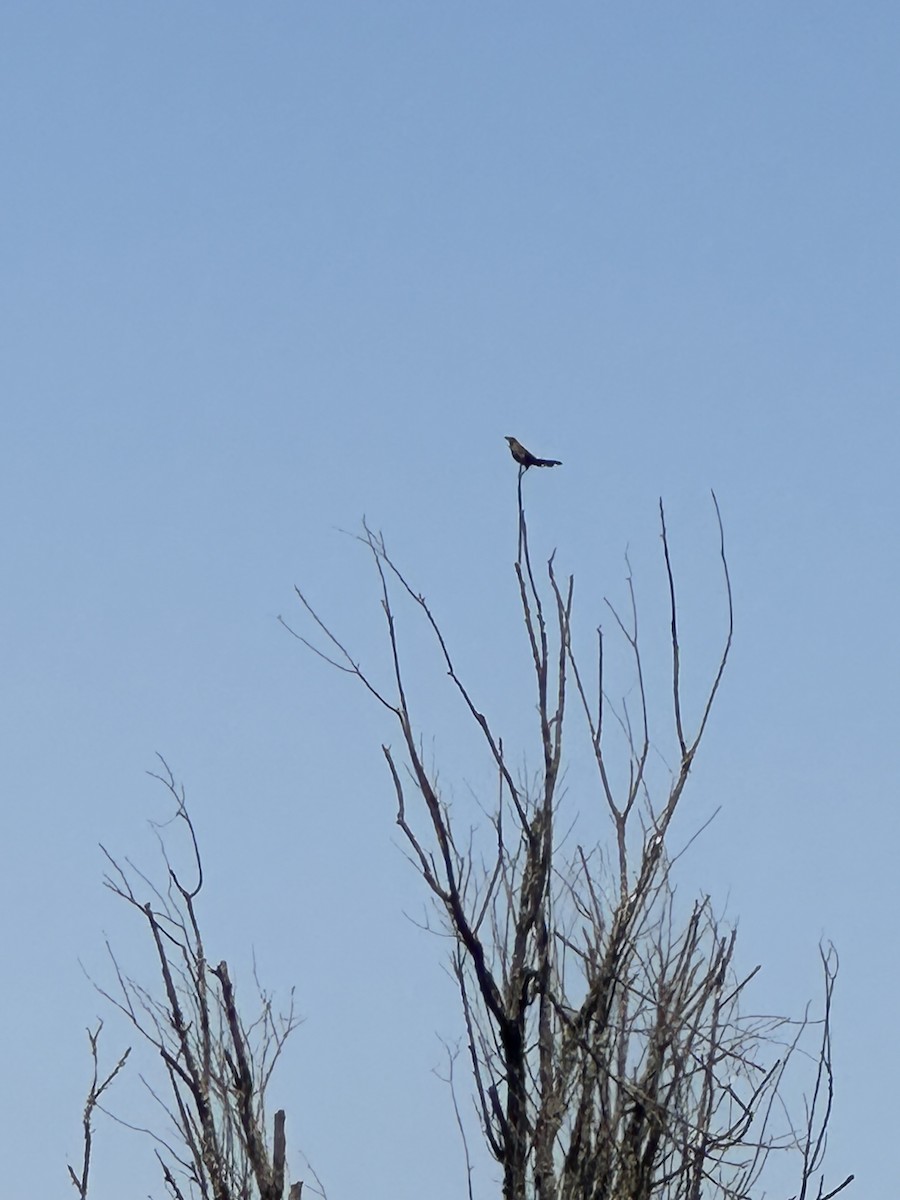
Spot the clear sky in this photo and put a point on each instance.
(265, 268)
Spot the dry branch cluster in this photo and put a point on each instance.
(217, 1069)
(608, 1051)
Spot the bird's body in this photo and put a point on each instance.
(526, 459)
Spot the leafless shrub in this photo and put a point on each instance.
(609, 1053)
(213, 1141)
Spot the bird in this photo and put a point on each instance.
(526, 459)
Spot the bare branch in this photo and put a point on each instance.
(97, 1087)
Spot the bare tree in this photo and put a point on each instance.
(610, 1056)
(217, 1068)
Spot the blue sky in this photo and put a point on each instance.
(265, 269)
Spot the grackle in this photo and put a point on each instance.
(526, 459)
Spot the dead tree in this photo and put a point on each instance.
(216, 1067)
(610, 1058)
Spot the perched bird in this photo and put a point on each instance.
(526, 459)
